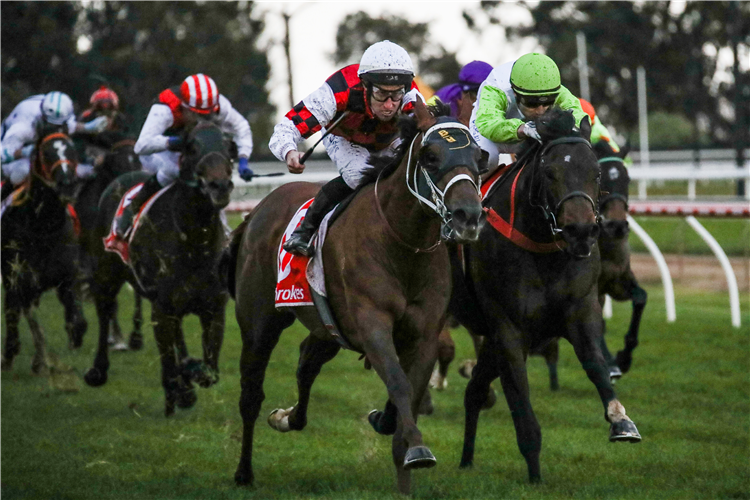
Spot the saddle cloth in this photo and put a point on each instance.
(121, 246)
(297, 273)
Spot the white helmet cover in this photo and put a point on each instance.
(57, 107)
(386, 58)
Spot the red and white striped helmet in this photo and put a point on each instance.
(105, 95)
(200, 94)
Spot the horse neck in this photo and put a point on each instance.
(193, 213)
(528, 217)
(414, 223)
(45, 207)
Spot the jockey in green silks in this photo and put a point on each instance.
(509, 100)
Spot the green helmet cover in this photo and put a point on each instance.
(535, 74)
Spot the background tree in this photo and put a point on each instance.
(435, 65)
(139, 49)
(679, 49)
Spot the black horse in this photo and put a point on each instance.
(173, 262)
(532, 277)
(39, 247)
(387, 281)
(118, 159)
(616, 279)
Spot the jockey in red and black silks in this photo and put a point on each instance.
(372, 95)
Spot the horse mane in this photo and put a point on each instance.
(556, 123)
(384, 163)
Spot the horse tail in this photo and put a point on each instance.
(228, 259)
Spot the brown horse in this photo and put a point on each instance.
(387, 280)
(537, 281)
(174, 258)
(39, 248)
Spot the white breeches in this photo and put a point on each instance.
(165, 164)
(17, 170)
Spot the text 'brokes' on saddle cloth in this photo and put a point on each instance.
(121, 246)
(297, 273)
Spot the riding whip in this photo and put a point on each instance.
(328, 131)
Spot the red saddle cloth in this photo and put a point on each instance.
(292, 288)
(121, 246)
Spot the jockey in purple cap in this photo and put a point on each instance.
(461, 96)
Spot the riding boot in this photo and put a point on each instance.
(150, 188)
(300, 242)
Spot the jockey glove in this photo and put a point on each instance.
(97, 125)
(27, 150)
(174, 143)
(529, 128)
(245, 172)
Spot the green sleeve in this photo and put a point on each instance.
(491, 121)
(566, 100)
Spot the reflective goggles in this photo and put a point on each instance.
(535, 101)
(381, 95)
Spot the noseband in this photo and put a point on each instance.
(61, 162)
(551, 214)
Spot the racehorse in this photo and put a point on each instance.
(173, 262)
(39, 247)
(537, 281)
(387, 279)
(118, 159)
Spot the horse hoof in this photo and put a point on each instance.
(624, 431)
(419, 457)
(136, 341)
(614, 374)
(243, 478)
(437, 381)
(279, 419)
(467, 367)
(119, 346)
(187, 399)
(375, 418)
(95, 377)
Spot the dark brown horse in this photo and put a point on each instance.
(174, 258)
(118, 158)
(39, 248)
(538, 281)
(387, 280)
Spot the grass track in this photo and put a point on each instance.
(687, 391)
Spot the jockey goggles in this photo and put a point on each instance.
(381, 95)
(535, 101)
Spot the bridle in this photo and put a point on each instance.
(437, 204)
(61, 162)
(612, 196)
(550, 214)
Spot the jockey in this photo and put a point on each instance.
(32, 118)
(103, 102)
(511, 97)
(373, 94)
(159, 145)
(462, 95)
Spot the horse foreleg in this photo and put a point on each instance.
(584, 335)
(136, 337)
(39, 363)
(105, 308)
(314, 353)
(12, 340)
(75, 321)
(625, 357)
(212, 323)
(166, 331)
(477, 390)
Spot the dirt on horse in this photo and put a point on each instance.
(174, 257)
(385, 232)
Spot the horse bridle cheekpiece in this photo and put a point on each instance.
(551, 214)
(459, 140)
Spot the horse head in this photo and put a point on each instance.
(568, 182)
(446, 156)
(615, 182)
(55, 163)
(206, 157)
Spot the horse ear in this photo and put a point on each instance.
(425, 120)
